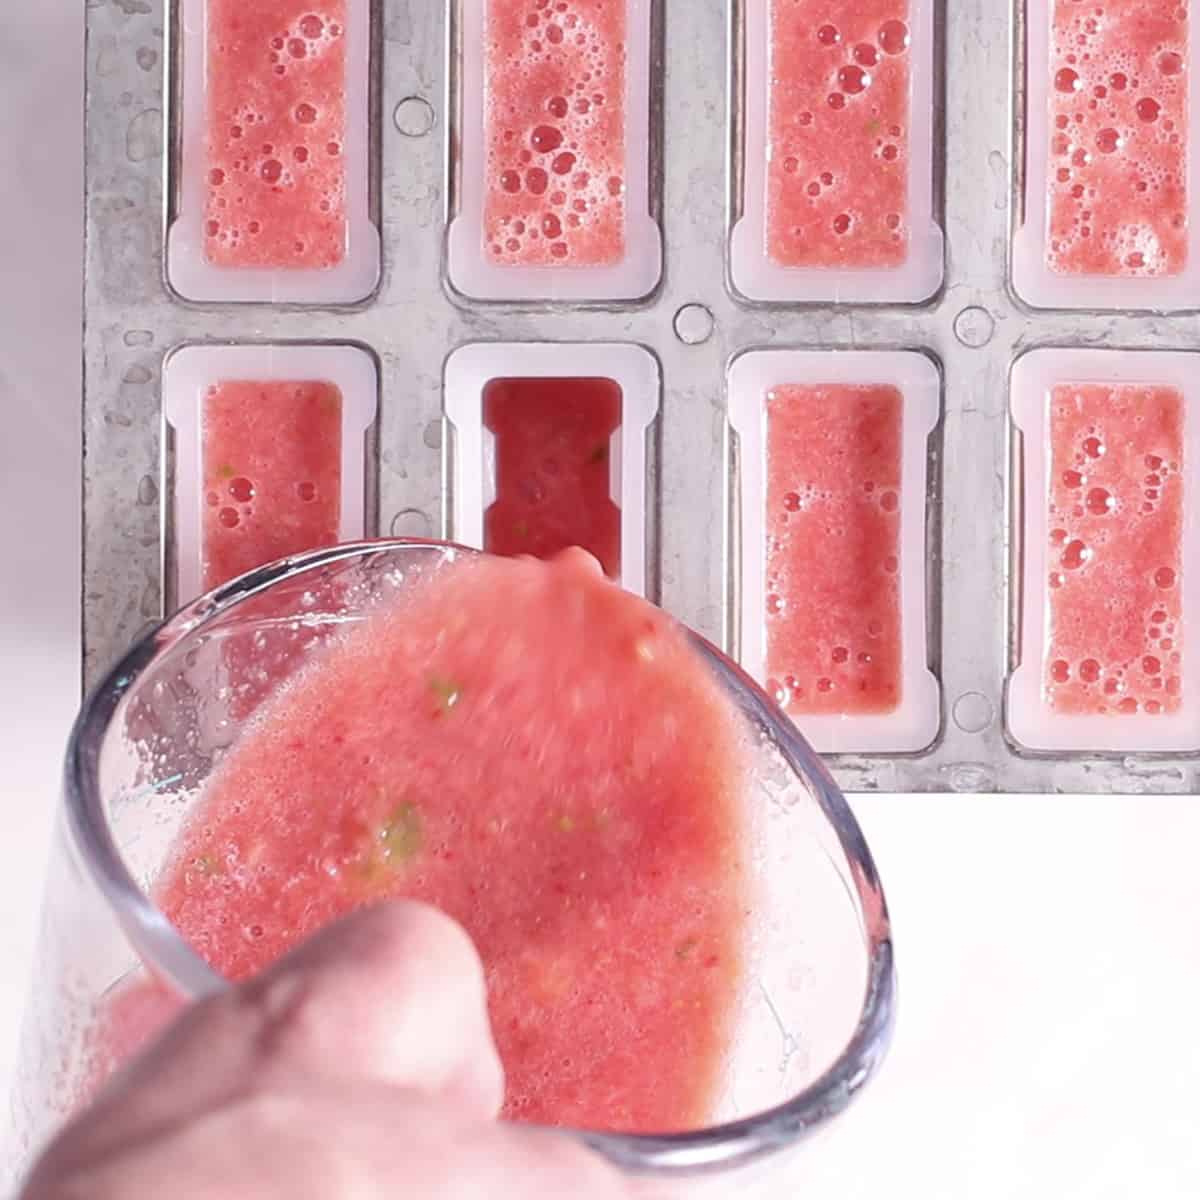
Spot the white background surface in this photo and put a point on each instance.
(41, 219)
(1049, 948)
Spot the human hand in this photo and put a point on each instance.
(359, 1067)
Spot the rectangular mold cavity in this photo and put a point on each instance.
(498, 497)
(1110, 200)
(245, 422)
(1108, 437)
(837, 153)
(553, 153)
(866, 687)
(273, 167)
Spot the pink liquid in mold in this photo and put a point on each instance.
(272, 473)
(838, 135)
(554, 129)
(1114, 628)
(1118, 139)
(605, 887)
(553, 468)
(275, 175)
(833, 548)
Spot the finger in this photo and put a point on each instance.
(548, 1165)
(353, 1141)
(393, 994)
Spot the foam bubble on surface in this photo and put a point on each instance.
(272, 472)
(1118, 109)
(833, 606)
(276, 81)
(554, 114)
(1116, 518)
(837, 172)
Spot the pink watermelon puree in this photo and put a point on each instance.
(838, 134)
(554, 130)
(833, 548)
(543, 757)
(552, 468)
(272, 473)
(275, 176)
(1118, 138)
(1115, 632)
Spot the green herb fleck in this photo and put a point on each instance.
(566, 823)
(521, 529)
(874, 125)
(686, 948)
(207, 866)
(225, 471)
(446, 692)
(401, 835)
(599, 454)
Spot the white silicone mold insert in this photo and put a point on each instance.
(1031, 720)
(754, 273)
(188, 374)
(189, 270)
(914, 724)
(473, 460)
(471, 271)
(1033, 279)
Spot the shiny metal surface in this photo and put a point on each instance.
(974, 328)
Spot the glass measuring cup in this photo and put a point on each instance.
(815, 1022)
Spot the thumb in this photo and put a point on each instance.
(393, 994)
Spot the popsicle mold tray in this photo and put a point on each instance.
(859, 334)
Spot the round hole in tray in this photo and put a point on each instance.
(974, 327)
(694, 324)
(411, 523)
(973, 712)
(414, 116)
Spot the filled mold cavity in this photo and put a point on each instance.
(551, 445)
(1109, 442)
(555, 142)
(832, 499)
(838, 153)
(1110, 176)
(274, 147)
(269, 455)
(549, 450)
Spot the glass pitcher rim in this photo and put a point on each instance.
(716, 1148)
